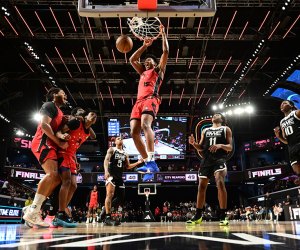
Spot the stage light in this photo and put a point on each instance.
(221, 106)
(229, 112)
(238, 111)
(20, 133)
(249, 109)
(214, 107)
(37, 117)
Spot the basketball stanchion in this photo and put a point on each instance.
(147, 189)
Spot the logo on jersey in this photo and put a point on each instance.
(217, 133)
(287, 123)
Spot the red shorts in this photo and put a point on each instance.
(43, 153)
(93, 205)
(146, 106)
(67, 161)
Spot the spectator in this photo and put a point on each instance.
(28, 202)
(4, 187)
(288, 201)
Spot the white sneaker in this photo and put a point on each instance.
(94, 221)
(24, 210)
(35, 219)
(87, 221)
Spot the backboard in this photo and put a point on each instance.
(165, 8)
(147, 187)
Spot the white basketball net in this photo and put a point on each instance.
(145, 27)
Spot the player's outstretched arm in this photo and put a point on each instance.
(133, 165)
(165, 46)
(198, 146)
(134, 59)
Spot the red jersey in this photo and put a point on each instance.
(54, 112)
(78, 136)
(149, 84)
(94, 197)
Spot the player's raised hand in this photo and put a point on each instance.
(162, 29)
(191, 139)
(148, 42)
(277, 131)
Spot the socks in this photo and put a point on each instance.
(107, 216)
(223, 214)
(37, 202)
(150, 156)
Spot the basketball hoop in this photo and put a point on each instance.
(147, 193)
(145, 28)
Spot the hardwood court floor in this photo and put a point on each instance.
(137, 236)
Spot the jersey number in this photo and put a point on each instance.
(212, 141)
(119, 164)
(289, 130)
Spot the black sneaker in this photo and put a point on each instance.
(110, 222)
(64, 221)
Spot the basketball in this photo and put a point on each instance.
(124, 44)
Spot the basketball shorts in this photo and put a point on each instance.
(43, 153)
(210, 171)
(93, 205)
(146, 106)
(116, 182)
(294, 153)
(67, 161)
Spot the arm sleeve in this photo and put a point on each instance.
(73, 124)
(49, 109)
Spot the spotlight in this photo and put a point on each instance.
(249, 109)
(214, 107)
(37, 117)
(19, 133)
(238, 111)
(221, 106)
(283, 8)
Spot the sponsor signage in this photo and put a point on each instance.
(266, 172)
(176, 177)
(292, 213)
(22, 143)
(26, 174)
(10, 214)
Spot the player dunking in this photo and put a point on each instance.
(215, 143)
(115, 161)
(289, 133)
(92, 204)
(44, 147)
(148, 100)
(79, 130)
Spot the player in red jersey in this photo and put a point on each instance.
(148, 100)
(79, 129)
(44, 147)
(92, 204)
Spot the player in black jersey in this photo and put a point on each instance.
(289, 133)
(214, 145)
(115, 161)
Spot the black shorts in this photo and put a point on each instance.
(116, 182)
(209, 171)
(294, 153)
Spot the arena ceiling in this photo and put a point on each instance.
(206, 59)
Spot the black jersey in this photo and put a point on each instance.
(214, 136)
(117, 163)
(291, 127)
